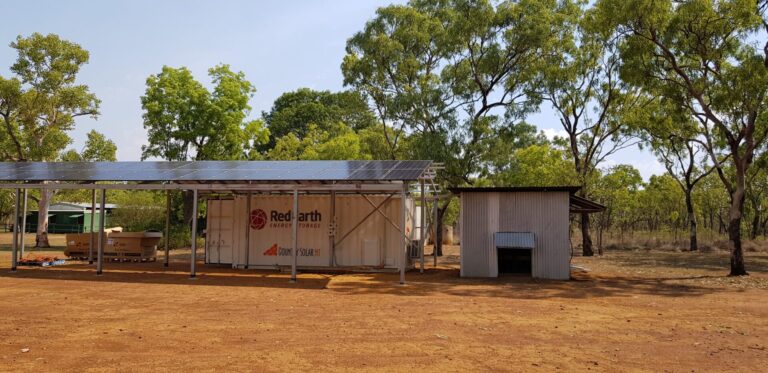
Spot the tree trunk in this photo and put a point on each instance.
(586, 239)
(41, 238)
(439, 229)
(755, 218)
(734, 232)
(188, 199)
(692, 225)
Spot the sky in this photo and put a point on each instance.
(279, 45)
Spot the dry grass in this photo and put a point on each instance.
(633, 311)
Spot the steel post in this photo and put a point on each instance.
(102, 222)
(193, 254)
(434, 238)
(404, 256)
(14, 241)
(422, 225)
(167, 228)
(23, 221)
(92, 242)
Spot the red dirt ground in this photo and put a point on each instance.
(634, 311)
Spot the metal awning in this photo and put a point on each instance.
(514, 240)
(215, 171)
(214, 176)
(583, 205)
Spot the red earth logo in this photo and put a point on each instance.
(272, 251)
(258, 219)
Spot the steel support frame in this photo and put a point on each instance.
(422, 226)
(167, 258)
(14, 241)
(403, 213)
(102, 238)
(355, 188)
(23, 221)
(376, 208)
(92, 241)
(193, 253)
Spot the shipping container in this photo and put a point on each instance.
(356, 235)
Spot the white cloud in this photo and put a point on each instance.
(551, 133)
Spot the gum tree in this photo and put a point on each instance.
(39, 105)
(447, 76)
(581, 82)
(701, 56)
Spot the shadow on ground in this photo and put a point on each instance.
(434, 281)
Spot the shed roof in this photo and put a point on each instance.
(557, 188)
(577, 204)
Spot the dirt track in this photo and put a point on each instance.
(146, 317)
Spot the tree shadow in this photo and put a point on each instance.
(447, 282)
(720, 262)
(176, 274)
(441, 281)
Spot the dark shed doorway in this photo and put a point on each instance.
(514, 252)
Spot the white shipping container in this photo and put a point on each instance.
(374, 243)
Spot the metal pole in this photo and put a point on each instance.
(14, 258)
(248, 230)
(23, 222)
(434, 238)
(294, 233)
(422, 224)
(404, 254)
(93, 237)
(102, 238)
(167, 228)
(193, 254)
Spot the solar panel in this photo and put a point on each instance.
(212, 171)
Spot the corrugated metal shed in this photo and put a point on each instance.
(514, 240)
(544, 213)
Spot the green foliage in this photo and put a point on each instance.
(337, 142)
(537, 165)
(97, 148)
(138, 210)
(294, 113)
(185, 121)
(40, 103)
(450, 76)
(618, 191)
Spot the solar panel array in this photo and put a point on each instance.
(214, 171)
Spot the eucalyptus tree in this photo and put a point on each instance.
(447, 76)
(700, 55)
(39, 105)
(581, 82)
(672, 136)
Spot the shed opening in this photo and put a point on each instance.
(514, 252)
(517, 261)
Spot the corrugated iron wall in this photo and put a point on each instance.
(543, 213)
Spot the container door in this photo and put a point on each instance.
(371, 254)
(226, 231)
(212, 232)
